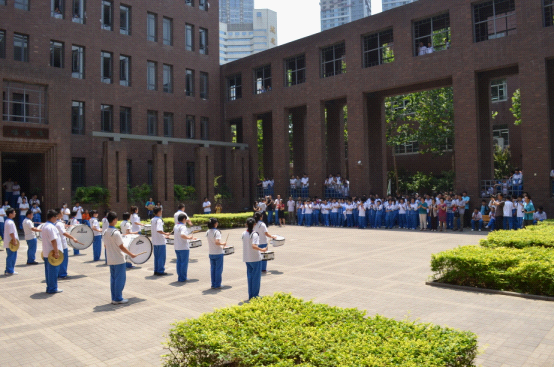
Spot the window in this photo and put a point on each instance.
(295, 70)
(125, 120)
(202, 5)
(107, 15)
(150, 173)
(24, 102)
(78, 11)
(152, 123)
(77, 118)
(190, 126)
(168, 31)
(106, 67)
(77, 173)
(548, 13)
(20, 47)
(106, 118)
(21, 4)
(204, 128)
(130, 172)
(124, 70)
(203, 41)
(378, 48)
(234, 87)
(57, 8)
(432, 34)
(125, 19)
(203, 85)
(151, 71)
(448, 145)
(56, 54)
(189, 83)
(168, 124)
(78, 62)
(189, 2)
(168, 78)
(190, 174)
(501, 135)
(333, 60)
(151, 34)
(408, 148)
(499, 90)
(494, 19)
(2, 44)
(262, 79)
(2, 2)
(189, 37)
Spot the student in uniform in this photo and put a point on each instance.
(97, 238)
(325, 206)
(15, 194)
(307, 213)
(126, 231)
(10, 234)
(31, 238)
(8, 185)
(315, 213)
(65, 212)
(181, 210)
(78, 210)
(182, 249)
(105, 226)
(206, 205)
(23, 207)
(291, 211)
(115, 252)
(51, 241)
(349, 217)
(261, 230)
(361, 215)
(74, 222)
(60, 225)
(215, 246)
(36, 215)
(135, 219)
(158, 240)
(2, 216)
(252, 257)
(299, 211)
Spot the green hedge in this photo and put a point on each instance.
(281, 330)
(539, 235)
(528, 270)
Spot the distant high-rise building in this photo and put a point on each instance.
(338, 12)
(236, 11)
(389, 4)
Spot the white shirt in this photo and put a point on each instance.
(180, 243)
(361, 211)
(430, 50)
(422, 50)
(308, 209)
(105, 225)
(23, 208)
(16, 189)
(214, 234)
(176, 216)
(79, 211)
(61, 229)
(112, 239)
(125, 227)
(74, 222)
(261, 229)
(248, 253)
(290, 205)
(9, 227)
(66, 213)
(50, 233)
(402, 208)
(94, 224)
(2, 214)
(206, 205)
(519, 207)
(293, 182)
(20, 199)
(158, 239)
(305, 181)
(134, 220)
(508, 206)
(29, 233)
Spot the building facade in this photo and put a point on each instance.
(338, 12)
(389, 4)
(236, 11)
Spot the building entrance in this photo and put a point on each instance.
(25, 168)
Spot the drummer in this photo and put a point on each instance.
(135, 219)
(115, 250)
(62, 274)
(73, 221)
(10, 234)
(30, 236)
(181, 210)
(182, 249)
(126, 230)
(261, 230)
(51, 241)
(252, 257)
(216, 252)
(97, 238)
(158, 240)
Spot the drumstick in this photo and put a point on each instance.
(142, 253)
(227, 238)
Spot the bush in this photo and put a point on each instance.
(139, 193)
(95, 195)
(539, 235)
(227, 220)
(183, 193)
(281, 330)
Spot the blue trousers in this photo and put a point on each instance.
(216, 269)
(51, 274)
(402, 221)
(458, 222)
(333, 218)
(11, 257)
(62, 273)
(326, 220)
(254, 276)
(388, 217)
(36, 219)
(75, 252)
(97, 247)
(21, 219)
(277, 217)
(32, 250)
(13, 203)
(159, 259)
(519, 223)
(9, 196)
(491, 224)
(449, 220)
(378, 219)
(182, 264)
(473, 224)
(307, 220)
(299, 217)
(264, 263)
(2, 230)
(508, 224)
(118, 276)
(361, 222)
(349, 220)
(315, 217)
(355, 216)
(270, 216)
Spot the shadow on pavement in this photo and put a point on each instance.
(41, 295)
(109, 307)
(215, 291)
(179, 284)
(158, 276)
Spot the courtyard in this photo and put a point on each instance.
(383, 272)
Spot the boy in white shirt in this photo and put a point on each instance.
(158, 240)
(97, 238)
(31, 238)
(51, 241)
(23, 207)
(207, 206)
(78, 212)
(182, 249)
(10, 234)
(181, 210)
(508, 206)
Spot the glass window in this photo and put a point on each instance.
(106, 118)
(548, 13)
(125, 120)
(21, 4)
(168, 124)
(408, 148)
(78, 118)
(125, 19)
(189, 2)
(204, 128)
(24, 102)
(57, 8)
(295, 70)
(333, 60)
(78, 11)
(150, 172)
(234, 87)
(378, 48)
(499, 90)
(130, 172)
(152, 123)
(168, 78)
(2, 44)
(203, 85)
(107, 15)
(189, 83)
(203, 41)
(190, 174)
(190, 126)
(20, 47)
(151, 71)
(189, 37)
(77, 173)
(124, 70)
(56, 54)
(78, 62)
(432, 34)
(168, 31)
(494, 19)
(151, 34)
(106, 67)
(262, 79)
(501, 135)
(202, 5)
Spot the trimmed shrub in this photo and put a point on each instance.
(539, 235)
(281, 330)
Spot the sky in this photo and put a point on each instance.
(299, 18)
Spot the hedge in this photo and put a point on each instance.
(528, 270)
(281, 330)
(539, 235)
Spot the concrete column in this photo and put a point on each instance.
(163, 176)
(315, 142)
(240, 178)
(358, 146)
(115, 174)
(280, 150)
(205, 173)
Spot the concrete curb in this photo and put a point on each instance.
(490, 291)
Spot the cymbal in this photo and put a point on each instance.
(53, 261)
(14, 245)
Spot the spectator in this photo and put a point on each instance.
(8, 186)
(477, 217)
(528, 210)
(539, 216)
(291, 210)
(150, 207)
(422, 50)
(492, 218)
(430, 48)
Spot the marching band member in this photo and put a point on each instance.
(73, 221)
(181, 210)
(261, 230)
(182, 249)
(97, 238)
(51, 241)
(158, 240)
(135, 220)
(60, 225)
(126, 230)
(105, 226)
(10, 234)
(31, 238)
(216, 252)
(252, 257)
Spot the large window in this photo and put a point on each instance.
(189, 2)
(295, 70)
(24, 103)
(499, 90)
(107, 15)
(78, 11)
(57, 8)
(125, 120)
(333, 60)
(151, 34)
(106, 67)
(77, 117)
(190, 174)
(191, 121)
(203, 41)
(77, 173)
(106, 118)
(2, 44)
(432, 34)
(204, 85)
(189, 37)
(262, 79)
(408, 148)
(548, 13)
(124, 70)
(130, 172)
(56, 54)
(150, 172)
(78, 62)
(494, 19)
(501, 135)
(152, 123)
(204, 128)
(20, 47)
(168, 124)
(378, 48)
(21, 4)
(189, 83)
(168, 78)
(125, 19)
(168, 31)
(234, 87)
(202, 5)
(151, 71)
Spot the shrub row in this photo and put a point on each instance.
(281, 330)
(539, 235)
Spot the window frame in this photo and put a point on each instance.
(61, 7)
(125, 120)
(429, 37)
(167, 78)
(79, 16)
(56, 46)
(335, 48)
(152, 123)
(125, 68)
(380, 50)
(189, 37)
(151, 26)
(191, 174)
(204, 128)
(24, 39)
(548, 11)
(77, 69)
(22, 4)
(501, 131)
(495, 18)
(190, 128)
(261, 80)
(107, 9)
(35, 96)
(80, 164)
(189, 82)
(78, 121)
(167, 31)
(169, 119)
(402, 149)
(203, 41)
(294, 78)
(125, 27)
(203, 5)
(151, 72)
(234, 87)
(104, 79)
(2, 43)
(499, 84)
(204, 85)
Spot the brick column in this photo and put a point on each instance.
(376, 158)
(315, 151)
(162, 176)
(115, 174)
(336, 160)
(205, 174)
(240, 180)
(280, 151)
(358, 146)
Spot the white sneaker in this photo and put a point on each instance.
(124, 300)
(479, 230)
(472, 230)
(8, 274)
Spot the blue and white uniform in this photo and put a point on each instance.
(216, 256)
(253, 260)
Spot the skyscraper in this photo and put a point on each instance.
(389, 4)
(338, 12)
(236, 11)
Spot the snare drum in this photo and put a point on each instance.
(147, 230)
(229, 250)
(268, 256)
(195, 229)
(83, 234)
(278, 241)
(170, 241)
(195, 243)
(138, 244)
(39, 234)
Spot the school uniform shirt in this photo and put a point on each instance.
(16, 189)
(305, 182)
(307, 209)
(74, 222)
(112, 240)
(20, 200)
(135, 219)
(206, 205)
(9, 228)
(61, 229)
(539, 216)
(66, 212)
(180, 243)
(335, 208)
(214, 234)
(290, 205)
(262, 206)
(261, 229)
(176, 216)
(325, 209)
(349, 208)
(292, 182)
(361, 210)
(105, 225)
(23, 208)
(402, 208)
(157, 225)
(79, 211)
(414, 207)
(125, 227)
(36, 210)
(34, 201)
(249, 254)
(2, 214)
(519, 208)
(508, 206)
(477, 216)
(29, 233)
(50, 233)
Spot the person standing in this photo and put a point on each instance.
(508, 207)
(23, 207)
(252, 257)
(182, 249)
(207, 206)
(15, 194)
(422, 207)
(528, 209)
(158, 240)
(181, 210)
(36, 214)
(97, 238)
(8, 186)
(65, 213)
(263, 234)
(60, 225)
(78, 210)
(467, 212)
(150, 206)
(215, 246)
(291, 210)
(31, 238)
(51, 241)
(10, 234)
(442, 215)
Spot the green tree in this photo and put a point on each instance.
(516, 107)
(502, 162)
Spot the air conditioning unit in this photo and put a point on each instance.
(499, 142)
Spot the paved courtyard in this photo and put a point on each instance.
(383, 272)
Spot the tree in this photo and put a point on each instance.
(516, 107)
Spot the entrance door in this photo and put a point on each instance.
(25, 168)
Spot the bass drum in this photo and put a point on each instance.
(83, 234)
(137, 245)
